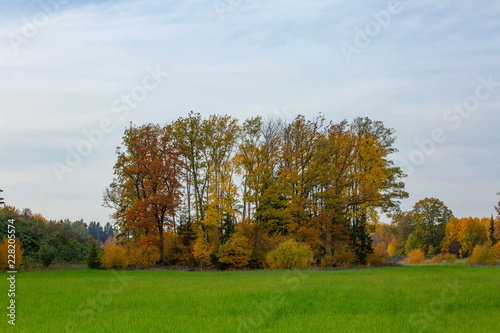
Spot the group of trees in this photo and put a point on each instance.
(100, 233)
(431, 228)
(47, 241)
(219, 192)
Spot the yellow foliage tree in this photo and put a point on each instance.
(202, 250)
(392, 249)
(114, 256)
(235, 252)
(483, 254)
(10, 254)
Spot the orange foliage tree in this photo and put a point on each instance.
(10, 248)
(464, 234)
(146, 190)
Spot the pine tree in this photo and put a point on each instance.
(361, 241)
(93, 259)
(491, 231)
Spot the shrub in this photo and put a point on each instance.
(415, 257)
(344, 256)
(114, 256)
(235, 252)
(437, 259)
(5, 250)
(379, 255)
(484, 254)
(449, 258)
(144, 254)
(290, 255)
(47, 254)
(392, 249)
(496, 248)
(326, 261)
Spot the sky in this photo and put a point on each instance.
(73, 74)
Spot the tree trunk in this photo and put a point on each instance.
(162, 245)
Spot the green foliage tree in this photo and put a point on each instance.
(94, 257)
(403, 222)
(429, 216)
(47, 254)
(32, 230)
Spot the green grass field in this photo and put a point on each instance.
(427, 298)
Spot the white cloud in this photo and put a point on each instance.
(263, 55)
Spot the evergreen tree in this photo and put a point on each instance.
(93, 259)
(491, 231)
(361, 241)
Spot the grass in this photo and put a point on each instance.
(428, 298)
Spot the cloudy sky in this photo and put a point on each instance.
(74, 73)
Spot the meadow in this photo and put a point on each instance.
(423, 298)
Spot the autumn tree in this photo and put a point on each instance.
(430, 216)
(210, 196)
(403, 223)
(146, 189)
(451, 242)
(361, 178)
(315, 182)
(464, 234)
(264, 191)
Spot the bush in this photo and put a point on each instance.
(449, 258)
(326, 261)
(483, 255)
(496, 248)
(437, 259)
(392, 249)
(344, 256)
(415, 257)
(290, 255)
(144, 254)
(235, 252)
(379, 255)
(47, 254)
(114, 256)
(5, 250)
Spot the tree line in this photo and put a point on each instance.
(431, 227)
(44, 241)
(219, 192)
